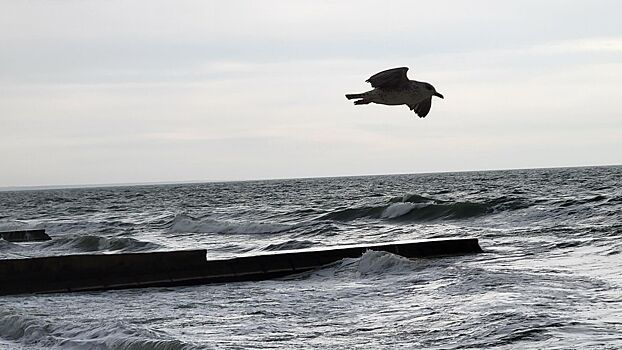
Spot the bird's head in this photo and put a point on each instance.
(429, 88)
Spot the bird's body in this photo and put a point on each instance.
(392, 87)
(405, 96)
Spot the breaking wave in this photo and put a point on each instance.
(399, 209)
(370, 264)
(186, 224)
(90, 243)
(33, 332)
(377, 262)
(412, 207)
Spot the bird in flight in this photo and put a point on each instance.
(392, 87)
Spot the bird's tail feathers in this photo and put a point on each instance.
(353, 96)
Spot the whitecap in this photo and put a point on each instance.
(379, 262)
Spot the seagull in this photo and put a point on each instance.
(392, 87)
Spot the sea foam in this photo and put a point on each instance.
(376, 262)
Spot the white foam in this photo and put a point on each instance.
(185, 224)
(376, 262)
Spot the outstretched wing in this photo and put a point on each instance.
(422, 108)
(390, 79)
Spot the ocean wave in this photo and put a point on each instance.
(412, 207)
(34, 332)
(571, 202)
(411, 198)
(315, 228)
(81, 226)
(290, 245)
(377, 262)
(10, 250)
(371, 263)
(348, 214)
(508, 203)
(186, 224)
(90, 243)
(15, 225)
(6, 245)
(614, 250)
(399, 209)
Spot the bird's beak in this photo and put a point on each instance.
(438, 95)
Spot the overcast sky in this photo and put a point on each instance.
(142, 91)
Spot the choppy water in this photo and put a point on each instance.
(550, 277)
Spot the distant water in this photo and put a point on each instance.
(550, 277)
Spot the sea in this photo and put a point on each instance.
(550, 276)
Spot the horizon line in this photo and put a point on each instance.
(180, 182)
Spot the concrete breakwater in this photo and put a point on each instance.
(175, 268)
